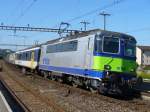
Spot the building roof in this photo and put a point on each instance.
(144, 47)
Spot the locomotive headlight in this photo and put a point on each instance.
(107, 67)
(134, 80)
(132, 70)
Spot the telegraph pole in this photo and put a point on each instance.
(104, 14)
(85, 23)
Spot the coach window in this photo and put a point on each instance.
(28, 56)
(19, 56)
(24, 56)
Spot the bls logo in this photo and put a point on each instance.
(46, 61)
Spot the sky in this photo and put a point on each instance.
(127, 16)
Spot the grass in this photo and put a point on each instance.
(143, 75)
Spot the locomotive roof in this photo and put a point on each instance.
(90, 32)
(75, 35)
(80, 35)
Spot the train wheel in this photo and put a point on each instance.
(45, 75)
(24, 71)
(60, 79)
(93, 90)
(103, 90)
(53, 78)
(139, 81)
(74, 84)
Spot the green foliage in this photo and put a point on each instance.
(144, 75)
(147, 68)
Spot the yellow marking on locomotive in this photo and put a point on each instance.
(32, 60)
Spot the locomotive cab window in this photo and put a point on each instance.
(111, 44)
(130, 48)
(98, 43)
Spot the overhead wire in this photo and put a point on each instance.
(25, 11)
(93, 11)
(78, 17)
(19, 4)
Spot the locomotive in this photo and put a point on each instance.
(103, 61)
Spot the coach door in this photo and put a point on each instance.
(89, 53)
(32, 59)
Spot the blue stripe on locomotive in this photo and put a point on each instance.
(82, 72)
(74, 71)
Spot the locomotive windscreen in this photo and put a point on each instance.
(130, 48)
(111, 44)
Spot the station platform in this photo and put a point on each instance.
(4, 106)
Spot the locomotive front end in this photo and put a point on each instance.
(114, 54)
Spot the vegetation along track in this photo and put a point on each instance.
(70, 99)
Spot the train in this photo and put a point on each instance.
(100, 60)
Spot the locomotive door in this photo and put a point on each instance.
(89, 53)
(32, 59)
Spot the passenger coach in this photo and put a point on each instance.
(28, 59)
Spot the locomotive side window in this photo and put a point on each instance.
(62, 47)
(69, 46)
(111, 44)
(51, 49)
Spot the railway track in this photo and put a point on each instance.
(49, 99)
(69, 99)
(36, 102)
(21, 106)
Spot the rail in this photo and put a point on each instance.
(23, 106)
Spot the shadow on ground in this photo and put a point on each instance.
(145, 86)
